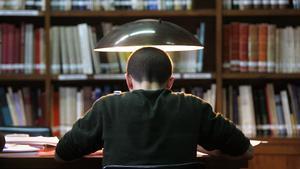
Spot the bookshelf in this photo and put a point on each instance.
(208, 11)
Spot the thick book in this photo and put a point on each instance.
(243, 46)
(271, 108)
(253, 48)
(246, 111)
(262, 47)
(234, 55)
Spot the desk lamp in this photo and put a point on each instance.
(148, 33)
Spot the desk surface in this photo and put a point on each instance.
(45, 160)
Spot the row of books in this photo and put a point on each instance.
(264, 111)
(72, 52)
(77, 100)
(22, 49)
(22, 107)
(260, 4)
(111, 5)
(261, 48)
(22, 5)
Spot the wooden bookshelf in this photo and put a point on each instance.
(212, 13)
(274, 76)
(261, 12)
(193, 13)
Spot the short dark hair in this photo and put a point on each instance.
(150, 64)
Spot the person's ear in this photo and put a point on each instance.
(129, 81)
(170, 82)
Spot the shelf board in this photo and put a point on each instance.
(79, 77)
(261, 75)
(22, 13)
(204, 12)
(261, 12)
(21, 77)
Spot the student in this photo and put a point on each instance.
(2, 141)
(150, 124)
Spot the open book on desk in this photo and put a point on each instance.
(252, 142)
(17, 143)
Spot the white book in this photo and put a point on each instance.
(12, 109)
(62, 110)
(289, 50)
(286, 112)
(29, 44)
(213, 96)
(70, 46)
(206, 96)
(246, 111)
(63, 51)
(277, 50)
(189, 61)
(55, 50)
(71, 103)
(95, 55)
(79, 104)
(137, 5)
(22, 108)
(85, 48)
(271, 48)
(297, 49)
(77, 52)
(282, 51)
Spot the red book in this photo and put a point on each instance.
(234, 57)
(16, 55)
(4, 60)
(226, 47)
(243, 47)
(22, 48)
(37, 51)
(55, 116)
(262, 47)
(10, 48)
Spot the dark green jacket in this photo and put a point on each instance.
(150, 127)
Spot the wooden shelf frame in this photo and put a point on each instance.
(193, 13)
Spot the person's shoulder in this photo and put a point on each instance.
(117, 94)
(189, 96)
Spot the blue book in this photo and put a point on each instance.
(152, 5)
(4, 110)
(201, 37)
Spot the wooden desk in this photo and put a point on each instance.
(35, 161)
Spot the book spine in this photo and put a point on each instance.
(266, 4)
(274, 4)
(257, 4)
(271, 48)
(30, 4)
(226, 47)
(234, 57)
(201, 36)
(243, 47)
(262, 47)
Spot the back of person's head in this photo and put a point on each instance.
(150, 64)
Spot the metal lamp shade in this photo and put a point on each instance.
(145, 33)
